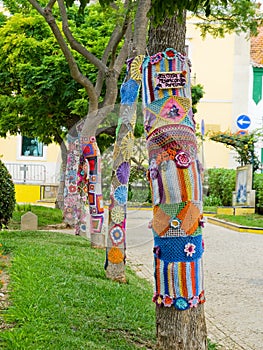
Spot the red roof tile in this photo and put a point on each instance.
(256, 49)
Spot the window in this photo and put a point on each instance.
(31, 147)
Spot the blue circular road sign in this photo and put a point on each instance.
(243, 122)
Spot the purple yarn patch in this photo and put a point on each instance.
(123, 173)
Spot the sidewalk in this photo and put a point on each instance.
(233, 277)
(233, 264)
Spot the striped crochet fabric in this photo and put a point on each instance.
(83, 184)
(175, 179)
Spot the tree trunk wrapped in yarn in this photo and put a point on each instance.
(123, 147)
(175, 179)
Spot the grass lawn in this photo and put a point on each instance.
(46, 216)
(251, 220)
(60, 298)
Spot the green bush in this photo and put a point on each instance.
(221, 184)
(212, 201)
(258, 186)
(7, 196)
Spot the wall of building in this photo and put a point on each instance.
(30, 169)
(221, 65)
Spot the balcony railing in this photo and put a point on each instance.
(27, 173)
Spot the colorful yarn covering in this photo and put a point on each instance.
(175, 179)
(83, 184)
(123, 149)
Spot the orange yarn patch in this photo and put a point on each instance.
(115, 255)
(189, 217)
(161, 221)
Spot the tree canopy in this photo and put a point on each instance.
(38, 95)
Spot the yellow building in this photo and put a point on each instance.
(222, 66)
(35, 168)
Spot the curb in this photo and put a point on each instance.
(234, 227)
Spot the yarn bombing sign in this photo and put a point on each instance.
(170, 80)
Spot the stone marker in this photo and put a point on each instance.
(29, 221)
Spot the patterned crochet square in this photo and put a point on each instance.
(161, 221)
(189, 217)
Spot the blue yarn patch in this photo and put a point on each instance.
(129, 92)
(183, 249)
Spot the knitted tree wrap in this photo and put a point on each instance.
(175, 179)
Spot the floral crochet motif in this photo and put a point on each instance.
(189, 249)
(182, 159)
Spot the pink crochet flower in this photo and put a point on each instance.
(194, 301)
(182, 159)
(156, 58)
(189, 249)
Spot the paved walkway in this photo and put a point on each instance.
(233, 264)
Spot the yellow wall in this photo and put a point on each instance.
(8, 147)
(27, 193)
(219, 65)
(9, 151)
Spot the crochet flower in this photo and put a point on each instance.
(181, 303)
(189, 249)
(127, 146)
(194, 301)
(170, 53)
(117, 214)
(157, 251)
(123, 172)
(182, 159)
(158, 299)
(72, 188)
(121, 194)
(175, 223)
(156, 58)
(167, 301)
(116, 235)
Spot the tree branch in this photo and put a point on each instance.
(122, 56)
(74, 70)
(51, 4)
(112, 45)
(74, 44)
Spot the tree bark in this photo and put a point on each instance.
(183, 329)
(171, 33)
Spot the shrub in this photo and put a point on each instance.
(258, 186)
(7, 196)
(221, 184)
(212, 201)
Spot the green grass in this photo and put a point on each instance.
(210, 209)
(60, 298)
(251, 220)
(46, 215)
